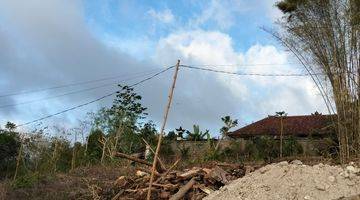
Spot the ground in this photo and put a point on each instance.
(90, 182)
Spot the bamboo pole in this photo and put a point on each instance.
(162, 129)
(281, 136)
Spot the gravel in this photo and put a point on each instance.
(293, 181)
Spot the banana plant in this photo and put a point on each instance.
(197, 135)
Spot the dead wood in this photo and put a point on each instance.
(183, 190)
(132, 158)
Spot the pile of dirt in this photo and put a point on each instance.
(293, 181)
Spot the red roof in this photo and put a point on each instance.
(293, 125)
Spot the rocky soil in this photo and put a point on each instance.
(294, 181)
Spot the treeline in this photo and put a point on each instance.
(122, 127)
(28, 157)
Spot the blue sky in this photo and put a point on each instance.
(127, 21)
(49, 43)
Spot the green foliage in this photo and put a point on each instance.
(171, 136)
(292, 147)
(26, 180)
(267, 148)
(196, 135)
(233, 151)
(94, 147)
(64, 155)
(148, 132)
(228, 124)
(9, 146)
(184, 150)
(166, 150)
(289, 6)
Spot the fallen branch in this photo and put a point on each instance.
(167, 172)
(132, 158)
(122, 155)
(183, 190)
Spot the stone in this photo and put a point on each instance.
(307, 197)
(263, 170)
(283, 163)
(352, 170)
(351, 183)
(331, 179)
(321, 187)
(296, 162)
(345, 174)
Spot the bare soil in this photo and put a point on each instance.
(294, 181)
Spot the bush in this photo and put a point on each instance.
(291, 147)
(9, 146)
(267, 148)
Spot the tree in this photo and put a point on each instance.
(228, 124)
(324, 36)
(94, 146)
(120, 123)
(196, 135)
(9, 147)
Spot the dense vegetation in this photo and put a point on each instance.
(27, 158)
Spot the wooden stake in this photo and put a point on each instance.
(162, 129)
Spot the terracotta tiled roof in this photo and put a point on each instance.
(293, 125)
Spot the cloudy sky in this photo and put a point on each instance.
(58, 42)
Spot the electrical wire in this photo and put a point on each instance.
(70, 84)
(247, 74)
(93, 101)
(69, 93)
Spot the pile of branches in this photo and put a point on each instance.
(194, 183)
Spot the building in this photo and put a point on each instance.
(309, 130)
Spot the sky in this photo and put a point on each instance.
(56, 42)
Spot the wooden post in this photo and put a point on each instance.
(281, 136)
(162, 129)
(73, 158)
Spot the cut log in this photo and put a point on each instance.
(217, 174)
(206, 189)
(191, 173)
(181, 193)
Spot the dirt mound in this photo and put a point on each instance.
(293, 181)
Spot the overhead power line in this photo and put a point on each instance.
(244, 65)
(70, 93)
(93, 101)
(72, 84)
(249, 74)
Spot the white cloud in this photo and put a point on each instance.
(164, 16)
(241, 96)
(220, 12)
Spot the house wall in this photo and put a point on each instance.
(196, 148)
(199, 148)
